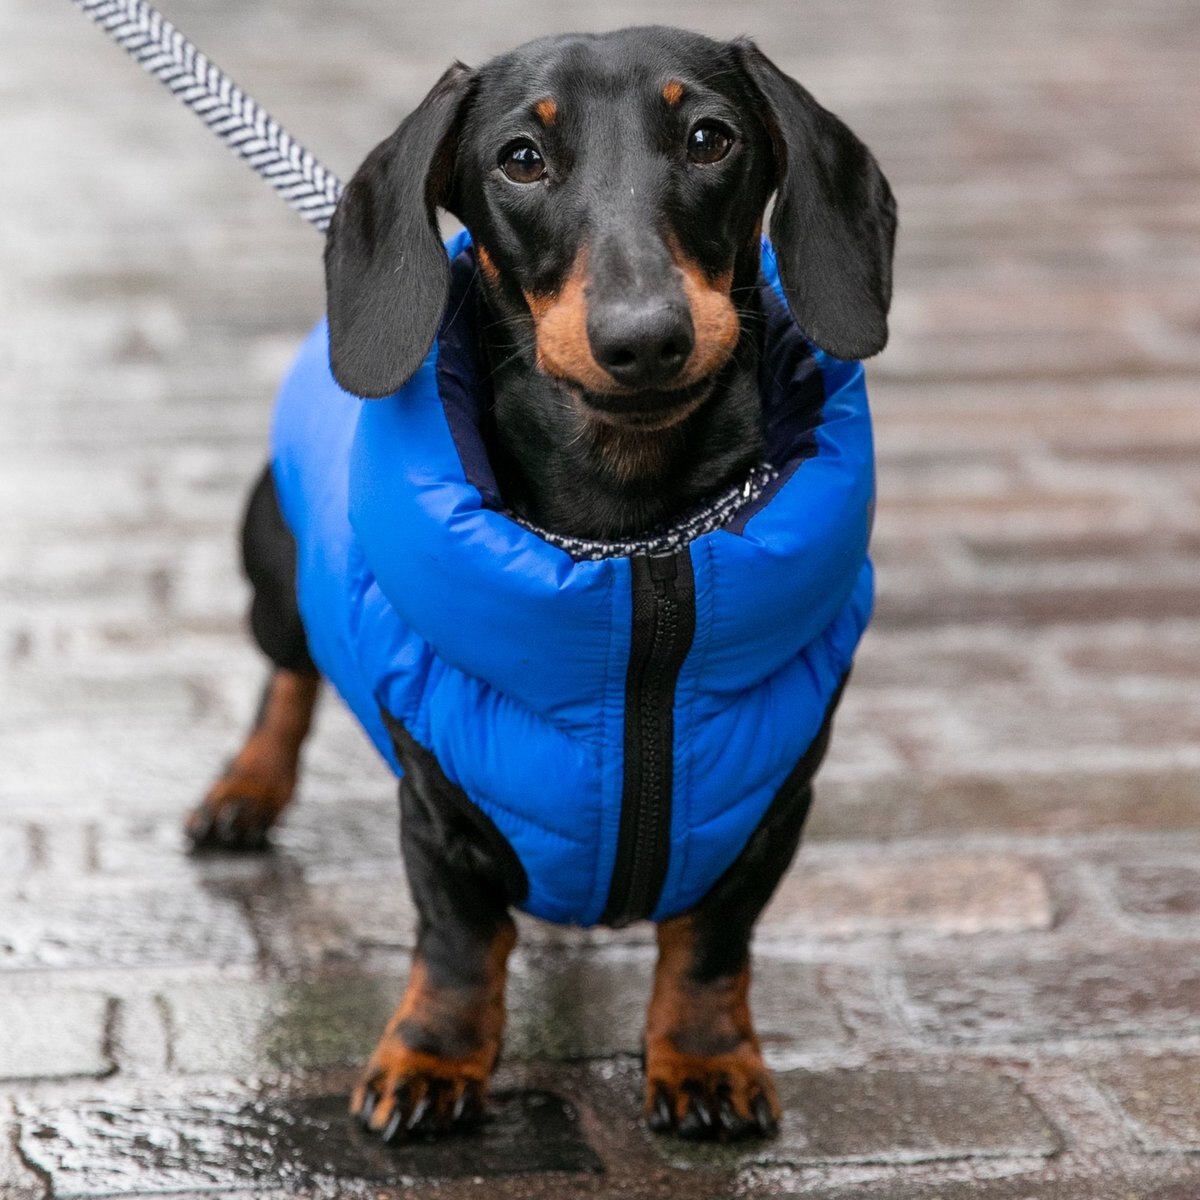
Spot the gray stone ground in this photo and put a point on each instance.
(980, 981)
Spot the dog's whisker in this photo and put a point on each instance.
(519, 352)
(454, 315)
(519, 321)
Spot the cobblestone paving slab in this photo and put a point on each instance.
(125, 926)
(1159, 1096)
(221, 1143)
(561, 1007)
(1084, 1188)
(54, 1033)
(1158, 897)
(1094, 798)
(17, 1181)
(893, 1117)
(1152, 988)
(244, 1027)
(577, 1007)
(947, 894)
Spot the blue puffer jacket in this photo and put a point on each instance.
(623, 722)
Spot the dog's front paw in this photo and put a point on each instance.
(722, 1097)
(235, 815)
(405, 1093)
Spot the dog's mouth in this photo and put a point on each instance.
(647, 412)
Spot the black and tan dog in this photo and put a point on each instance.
(615, 188)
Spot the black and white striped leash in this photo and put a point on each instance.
(246, 128)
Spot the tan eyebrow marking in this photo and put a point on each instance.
(547, 110)
(672, 92)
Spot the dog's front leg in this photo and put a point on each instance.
(429, 1073)
(705, 1075)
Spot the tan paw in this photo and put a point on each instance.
(237, 813)
(723, 1097)
(404, 1093)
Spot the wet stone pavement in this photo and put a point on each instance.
(980, 981)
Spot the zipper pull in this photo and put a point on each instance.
(664, 568)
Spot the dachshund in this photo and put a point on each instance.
(615, 188)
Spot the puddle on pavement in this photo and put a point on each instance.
(327, 1022)
(95, 1149)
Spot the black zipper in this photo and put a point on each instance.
(664, 621)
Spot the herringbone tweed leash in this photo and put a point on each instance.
(234, 117)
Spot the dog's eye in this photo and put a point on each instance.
(708, 143)
(522, 162)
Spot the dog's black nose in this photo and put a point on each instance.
(641, 345)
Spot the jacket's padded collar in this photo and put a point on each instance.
(501, 604)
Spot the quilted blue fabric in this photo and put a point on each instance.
(506, 657)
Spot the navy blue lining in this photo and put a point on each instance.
(460, 381)
(793, 399)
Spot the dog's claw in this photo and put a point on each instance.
(661, 1118)
(367, 1109)
(710, 1114)
(420, 1111)
(391, 1130)
(468, 1108)
(226, 826)
(732, 1126)
(239, 823)
(254, 837)
(698, 1120)
(200, 826)
(763, 1116)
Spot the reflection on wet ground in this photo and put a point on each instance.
(982, 979)
(223, 1142)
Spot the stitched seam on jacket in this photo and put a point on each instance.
(485, 803)
(572, 732)
(731, 695)
(842, 669)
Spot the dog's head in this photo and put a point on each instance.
(614, 186)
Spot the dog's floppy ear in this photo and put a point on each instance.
(386, 273)
(834, 224)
